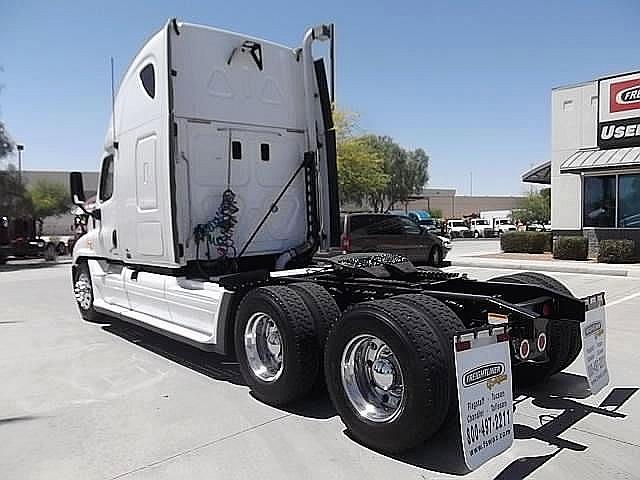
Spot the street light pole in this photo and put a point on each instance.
(20, 148)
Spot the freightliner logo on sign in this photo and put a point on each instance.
(619, 111)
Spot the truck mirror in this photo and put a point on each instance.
(77, 188)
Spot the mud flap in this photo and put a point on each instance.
(594, 342)
(485, 398)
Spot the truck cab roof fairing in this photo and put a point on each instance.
(241, 126)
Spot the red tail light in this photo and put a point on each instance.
(542, 342)
(345, 242)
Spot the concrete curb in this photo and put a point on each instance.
(539, 266)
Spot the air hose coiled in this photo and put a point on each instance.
(219, 230)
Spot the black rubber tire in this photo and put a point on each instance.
(300, 350)
(322, 305)
(325, 313)
(569, 331)
(447, 324)
(425, 367)
(565, 341)
(435, 256)
(88, 314)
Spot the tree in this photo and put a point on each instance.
(345, 123)
(436, 213)
(49, 198)
(360, 171)
(407, 171)
(374, 169)
(14, 200)
(534, 208)
(6, 144)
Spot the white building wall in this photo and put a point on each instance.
(574, 118)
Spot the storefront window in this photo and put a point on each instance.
(629, 201)
(600, 201)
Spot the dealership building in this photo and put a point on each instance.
(594, 170)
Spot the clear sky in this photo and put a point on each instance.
(468, 81)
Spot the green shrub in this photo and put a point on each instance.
(523, 242)
(571, 248)
(616, 251)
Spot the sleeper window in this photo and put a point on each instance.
(148, 79)
(264, 152)
(236, 150)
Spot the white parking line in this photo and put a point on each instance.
(623, 299)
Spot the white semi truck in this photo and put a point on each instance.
(218, 186)
(500, 220)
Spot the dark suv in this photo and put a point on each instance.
(379, 232)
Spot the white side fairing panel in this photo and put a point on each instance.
(108, 283)
(242, 128)
(190, 310)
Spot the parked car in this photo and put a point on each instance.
(480, 227)
(424, 219)
(458, 228)
(380, 232)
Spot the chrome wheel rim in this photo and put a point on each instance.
(263, 347)
(82, 291)
(372, 379)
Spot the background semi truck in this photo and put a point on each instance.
(500, 220)
(20, 238)
(218, 186)
(481, 228)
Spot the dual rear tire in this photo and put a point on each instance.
(389, 373)
(388, 364)
(279, 339)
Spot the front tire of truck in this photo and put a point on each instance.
(276, 344)
(565, 341)
(83, 292)
(388, 375)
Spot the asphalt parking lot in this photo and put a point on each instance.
(81, 400)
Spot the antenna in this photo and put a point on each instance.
(113, 108)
